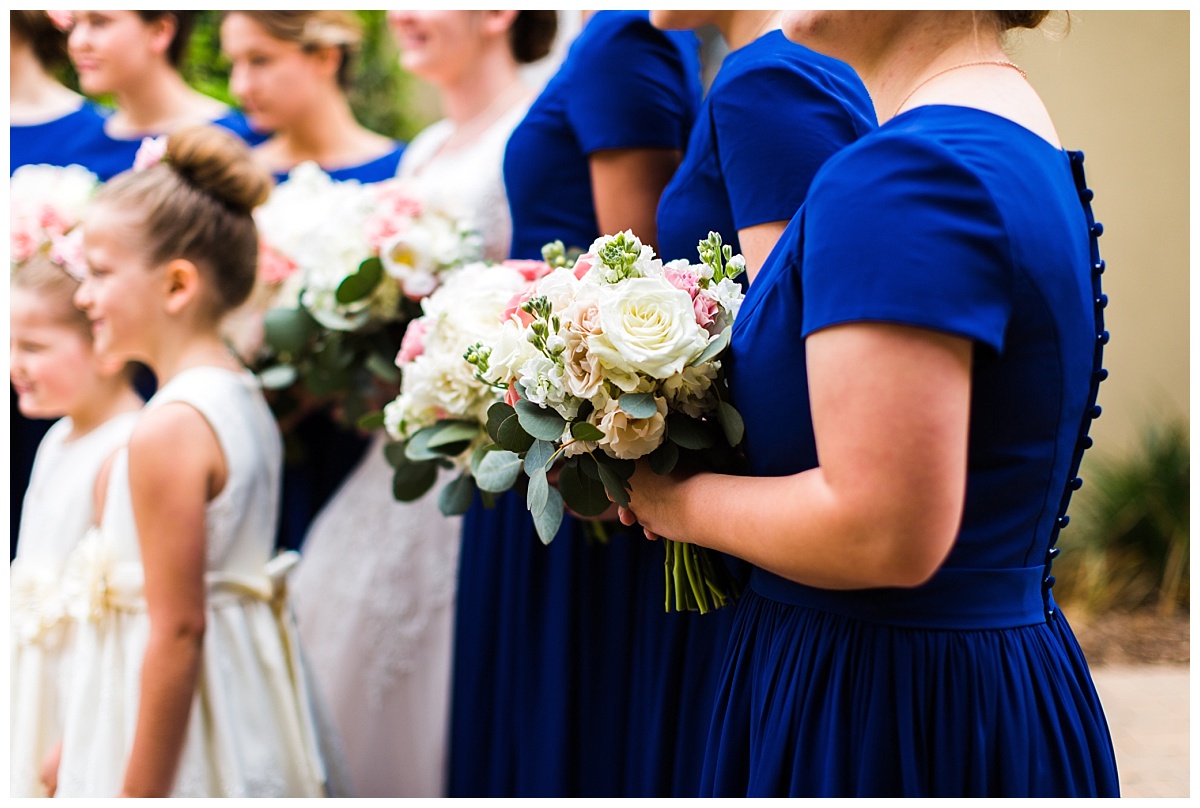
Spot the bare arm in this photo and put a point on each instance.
(626, 186)
(885, 503)
(175, 467)
(757, 242)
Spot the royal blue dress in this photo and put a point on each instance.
(774, 113)
(323, 452)
(960, 221)
(730, 179)
(542, 686)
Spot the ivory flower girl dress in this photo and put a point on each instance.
(252, 731)
(56, 515)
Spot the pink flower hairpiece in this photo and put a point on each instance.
(62, 20)
(67, 252)
(152, 152)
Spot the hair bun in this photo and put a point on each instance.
(1009, 20)
(220, 164)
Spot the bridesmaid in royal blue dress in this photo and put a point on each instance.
(931, 320)
(728, 182)
(134, 57)
(540, 701)
(291, 71)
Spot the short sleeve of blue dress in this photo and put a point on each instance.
(590, 105)
(76, 138)
(239, 124)
(775, 109)
(902, 232)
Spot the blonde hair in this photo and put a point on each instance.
(197, 205)
(315, 29)
(40, 275)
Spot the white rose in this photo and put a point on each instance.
(629, 438)
(649, 327)
(689, 390)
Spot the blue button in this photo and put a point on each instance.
(1076, 484)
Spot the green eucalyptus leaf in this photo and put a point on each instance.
(731, 423)
(549, 520)
(479, 453)
(664, 458)
(382, 368)
(719, 343)
(587, 464)
(362, 283)
(512, 436)
(538, 456)
(455, 498)
(688, 432)
(497, 414)
(418, 444)
(541, 422)
(370, 421)
(394, 452)
(449, 432)
(584, 495)
(497, 471)
(582, 430)
(278, 377)
(412, 480)
(639, 405)
(288, 330)
(539, 492)
(614, 484)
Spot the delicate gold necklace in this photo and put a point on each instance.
(996, 62)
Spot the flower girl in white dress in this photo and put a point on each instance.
(186, 678)
(375, 589)
(56, 375)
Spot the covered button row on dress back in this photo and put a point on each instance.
(1099, 374)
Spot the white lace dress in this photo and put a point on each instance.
(57, 514)
(251, 731)
(374, 590)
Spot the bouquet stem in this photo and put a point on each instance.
(695, 580)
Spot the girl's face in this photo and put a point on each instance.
(437, 46)
(51, 363)
(121, 295)
(112, 50)
(274, 81)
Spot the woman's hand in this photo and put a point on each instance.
(48, 773)
(652, 498)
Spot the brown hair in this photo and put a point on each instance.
(1008, 20)
(48, 42)
(185, 23)
(312, 30)
(197, 205)
(531, 35)
(42, 276)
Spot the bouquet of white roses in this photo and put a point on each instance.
(440, 415)
(342, 267)
(45, 203)
(609, 359)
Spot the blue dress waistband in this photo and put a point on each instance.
(954, 598)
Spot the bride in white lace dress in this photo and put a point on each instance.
(374, 591)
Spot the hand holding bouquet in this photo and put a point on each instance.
(604, 361)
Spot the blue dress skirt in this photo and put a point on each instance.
(959, 221)
(543, 693)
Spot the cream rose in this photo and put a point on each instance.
(648, 326)
(628, 438)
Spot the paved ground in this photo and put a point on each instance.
(1148, 708)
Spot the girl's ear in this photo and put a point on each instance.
(183, 285)
(162, 33)
(327, 58)
(498, 22)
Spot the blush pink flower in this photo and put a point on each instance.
(152, 152)
(685, 279)
(67, 252)
(511, 396)
(62, 20)
(22, 244)
(706, 310)
(530, 270)
(514, 306)
(583, 264)
(413, 344)
(273, 266)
